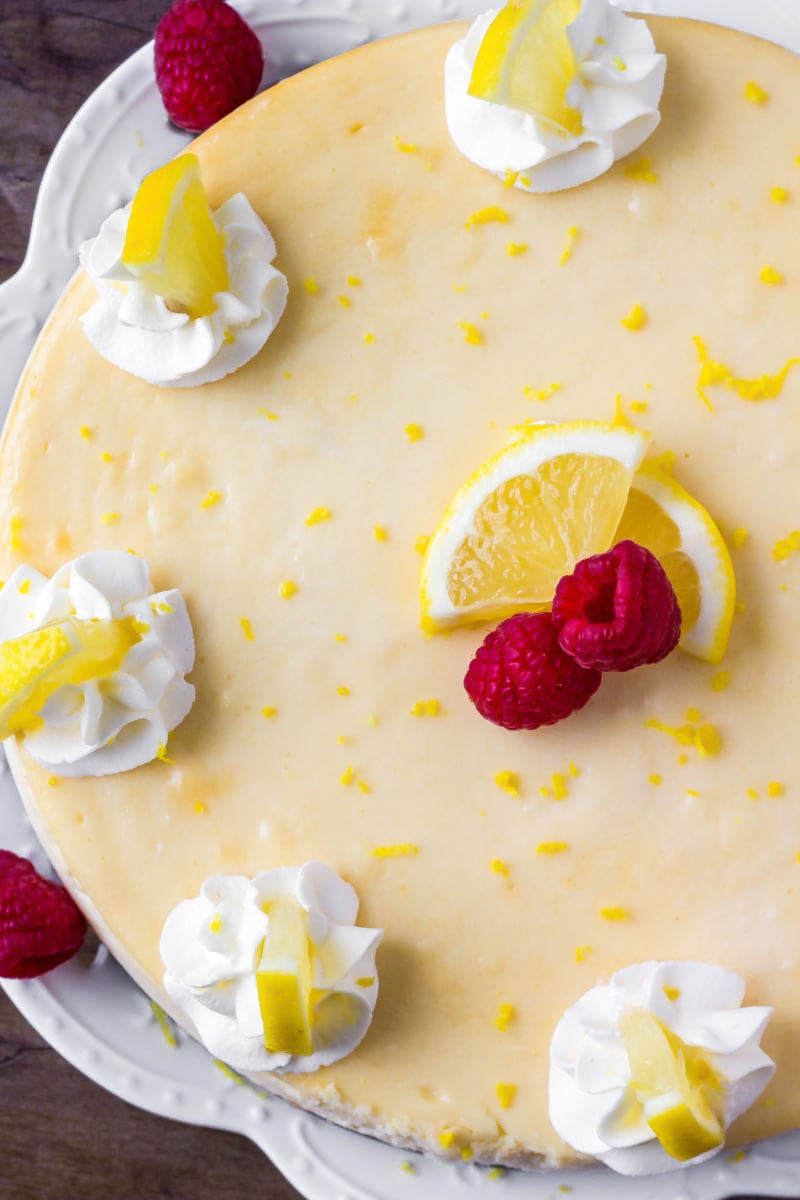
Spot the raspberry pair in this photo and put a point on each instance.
(616, 611)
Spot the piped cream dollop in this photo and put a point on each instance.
(134, 329)
(120, 722)
(592, 1106)
(617, 91)
(210, 946)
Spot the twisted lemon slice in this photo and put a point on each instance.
(172, 245)
(526, 61)
(525, 519)
(677, 1086)
(666, 519)
(284, 980)
(35, 665)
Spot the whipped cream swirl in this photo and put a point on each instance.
(119, 722)
(134, 329)
(617, 90)
(591, 1105)
(211, 945)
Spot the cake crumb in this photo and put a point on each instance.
(508, 781)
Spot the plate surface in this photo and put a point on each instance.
(93, 1014)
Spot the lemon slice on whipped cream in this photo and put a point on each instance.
(524, 520)
(36, 664)
(526, 61)
(283, 978)
(172, 244)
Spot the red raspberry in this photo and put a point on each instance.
(520, 678)
(40, 924)
(618, 610)
(208, 62)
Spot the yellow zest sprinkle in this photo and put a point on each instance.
(405, 147)
(15, 525)
(665, 460)
(495, 1173)
(216, 924)
(542, 393)
(340, 637)
(229, 337)
(573, 770)
(401, 850)
(642, 171)
(560, 788)
(288, 588)
(505, 1015)
(271, 416)
(161, 754)
(573, 233)
(770, 276)
(414, 432)
(485, 216)
(353, 281)
(620, 416)
(247, 628)
(636, 318)
(775, 789)
(784, 547)
(467, 1153)
(373, 721)
(639, 406)
(160, 606)
(163, 1022)
(694, 715)
(52, 781)
(691, 792)
(581, 953)
(762, 387)
(739, 537)
(513, 249)
(381, 533)
(752, 793)
(318, 515)
(508, 781)
(422, 542)
(472, 335)
(619, 63)
(755, 94)
(740, 606)
(446, 1138)
(737, 1156)
(348, 777)
(109, 518)
(200, 808)
(408, 1167)
(720, 681)
(106, 457)
(343, 740)
(24, 587)
(525, 180)
(153, 488)
(500, 867)
(345, 301)
(707, 741)
(510, 178)
(369, 338)
(343, 691)
(365, 981)
(86, 433)
(779, 195)
(211, 499)
(269, 711)
(551, 847)
(363, 787)
(613, 913)
(656, 780)
(426, 708)
(311, 285)
(672, 993)
(505, 1093)
(141, 627)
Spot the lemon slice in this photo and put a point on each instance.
(525, 519)
(676, 1084)
(526, 61)
(666, 519)
(284, 980)
(172, 245)
(37, 664)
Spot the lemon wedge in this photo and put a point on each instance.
(525, 519)
(526, 61)
(35, 665)
(284, 980)
(662, 516)
(172, 245)
(677, 1086)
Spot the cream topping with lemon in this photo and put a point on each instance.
(649, 1070)
(548, 94)
(273, 972)
(93, 664)
(186, 296)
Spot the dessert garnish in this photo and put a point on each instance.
(273, 972)
(208, 61)
(548, 94)
(41, 926)
(187, 295)
(650, 1069)
(93, 664)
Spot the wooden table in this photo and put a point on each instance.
(63, 1138)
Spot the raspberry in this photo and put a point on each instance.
(208, 62)
(40, 924)
(618, 610)
(520, 677)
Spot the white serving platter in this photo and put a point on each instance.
(93, 1014)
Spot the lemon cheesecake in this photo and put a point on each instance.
(439, 310)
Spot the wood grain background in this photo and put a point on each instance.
(61, 1137)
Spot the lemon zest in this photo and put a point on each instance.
(761, 387)
(485, 216)
(642, 171)
(505, 1093)
(508, 781)
(505, 1015)
(318, 515)
(400, 850)
(551, 847)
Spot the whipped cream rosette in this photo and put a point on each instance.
(600, 1103)
(616, 91)
(212, 947)
(119, 718)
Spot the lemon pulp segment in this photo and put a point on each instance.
(677, 1086)
(526, 61)
(36, 664)
(172, 244)
(284, 980)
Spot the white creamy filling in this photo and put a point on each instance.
(617, 91)
(133, 328)
(590, 1072)
(210, 947)
(119, 722)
